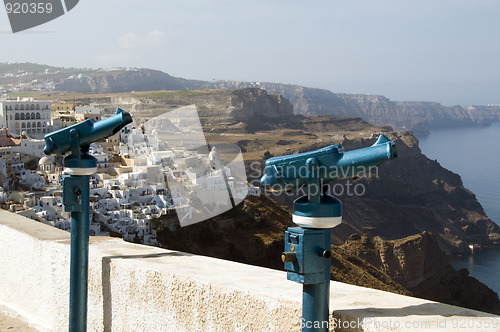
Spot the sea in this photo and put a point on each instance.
(474, 153)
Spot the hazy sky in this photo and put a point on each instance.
(437, 50)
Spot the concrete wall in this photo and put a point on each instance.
(139, 288)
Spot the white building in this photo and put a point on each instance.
(5, 152)
(4, 176)
(16, 165)
(28, 115)
(48, 166)
(32, 180)
(88, 112)
(97, 152)
(31, 147)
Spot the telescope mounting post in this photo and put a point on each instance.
(79, 165)
(308, 248)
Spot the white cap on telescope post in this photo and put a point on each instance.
(316, 222)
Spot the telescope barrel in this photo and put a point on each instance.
(89, 131)
(332, 163)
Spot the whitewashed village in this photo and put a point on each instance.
(131, 190)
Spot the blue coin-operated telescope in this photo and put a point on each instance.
(80, 165)
(88, 131)
(307, 248)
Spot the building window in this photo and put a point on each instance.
(37, 106)
(22, 116)
(27, 107)
(16, 116)
(23, 125)
(22, 107)
(16, 107)
(32, 107)
(27, 116)
(33, 125)
(32, 116)
(37, 116)
(39, 124)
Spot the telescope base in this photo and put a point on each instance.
(307, 261)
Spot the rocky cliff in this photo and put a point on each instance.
(418, 264)
(378, 110)
(410, 261)
(220, 111)
(124, 80)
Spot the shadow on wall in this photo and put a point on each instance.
(106, 282)
(425, 309)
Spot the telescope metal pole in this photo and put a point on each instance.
(79, 258)
(76, 200)
(316, 299)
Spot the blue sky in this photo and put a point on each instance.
(445, 51)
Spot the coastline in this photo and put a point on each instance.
(445, 144)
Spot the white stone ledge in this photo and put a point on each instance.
(139, 288)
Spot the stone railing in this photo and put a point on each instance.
(139, 288)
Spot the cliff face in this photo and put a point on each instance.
(220, 111)
(252, 233)
(410, 261)
(418, 264)
(250, 104)
(378, 110)
(122, 80)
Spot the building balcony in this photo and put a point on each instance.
(140, 288)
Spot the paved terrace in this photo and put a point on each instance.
(139, 288)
